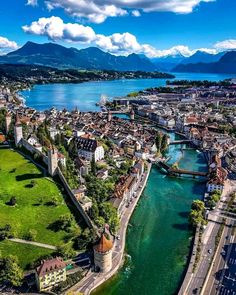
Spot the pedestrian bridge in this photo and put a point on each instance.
(183, 141)
(174, 171)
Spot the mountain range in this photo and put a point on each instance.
(226, 64)
(92, 58)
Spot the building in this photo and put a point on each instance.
(132, 115)
(8, 122)
(18, 131)
(103, 254)
(61, 159)
(33, 140)
(217, 180)
(90, 149)
(109, 116)
(52, 161)
(83, 166)
(50, 273)
(85, 202)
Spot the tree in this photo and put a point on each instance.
(195, 218)
(66, 222)
(158, 142)
(211, 204)
(10, 271)
(66, 251)
(31, 235)
(109, 213)
(164, 142)
(12, 201)
(3, 113)
(55, 201)
(93, 166)
(198, 205)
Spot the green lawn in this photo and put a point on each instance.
(16, 173)
(25, 253)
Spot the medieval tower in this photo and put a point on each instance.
(52, 161)
(103, 254)
(18, 131)
(8, 122)
(132, 115)
(109, 116)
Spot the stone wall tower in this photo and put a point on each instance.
(8, 122)
(52, 161)
(103, 254)
(109, 116)
(132, 115)
(18, 131)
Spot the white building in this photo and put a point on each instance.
(90, 149)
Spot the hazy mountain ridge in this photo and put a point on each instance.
(225, 65)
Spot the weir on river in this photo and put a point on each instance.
(158, 237)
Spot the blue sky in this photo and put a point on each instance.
(153, 27)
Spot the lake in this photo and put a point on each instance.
(86, 95)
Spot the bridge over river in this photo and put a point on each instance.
(175, 171)
(183, 141)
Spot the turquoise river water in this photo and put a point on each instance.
(158, 237)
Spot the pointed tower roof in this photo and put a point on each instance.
(18, 122)
(104, 245)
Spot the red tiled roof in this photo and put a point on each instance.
(48, 266)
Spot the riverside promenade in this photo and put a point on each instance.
(92, 280)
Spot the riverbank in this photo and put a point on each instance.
(158, 238)
(93, 280)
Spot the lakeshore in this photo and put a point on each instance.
(42, 97)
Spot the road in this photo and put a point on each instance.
(92, 279)
(208, 242)
(222, 276)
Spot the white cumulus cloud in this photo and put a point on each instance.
(118, 43)
(226, 45)
(6, 45)
(136, 13)
(55, 29)
(99, 10)
(32, 2)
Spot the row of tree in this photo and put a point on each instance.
(161, 142)
(196, 216)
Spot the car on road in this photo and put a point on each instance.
(118, 237)
(210, 251)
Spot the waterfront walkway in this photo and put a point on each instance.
(93, 280)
